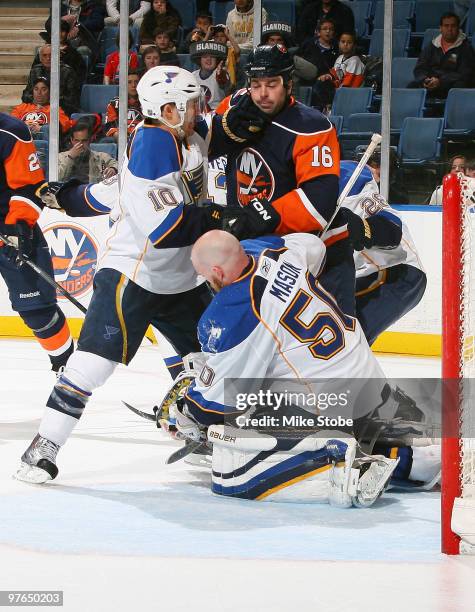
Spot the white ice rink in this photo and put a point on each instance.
(121, 531)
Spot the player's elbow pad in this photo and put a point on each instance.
(386, 232)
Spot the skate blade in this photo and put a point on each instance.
(366, 499)
(198, 460)
(31, 474)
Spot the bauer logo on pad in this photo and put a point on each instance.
(74, 255)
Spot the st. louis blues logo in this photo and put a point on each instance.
(74, 255)
(170, 76)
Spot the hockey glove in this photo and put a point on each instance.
(259, 217)
(21, 242)
(50, 193)
(244, 120)
(359, 230)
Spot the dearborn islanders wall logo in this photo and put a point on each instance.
(74, 255)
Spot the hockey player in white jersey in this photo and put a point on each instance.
(272, 320)
(390, 279)
(144, 270)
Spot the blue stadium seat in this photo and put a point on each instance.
(186, 63)
(406, 103)
(42, 148)
(220, 10)
(428, 13)
(281, 10)
(469, 25)
(337, 121)
(187, 10)
(362, 12)
(95, 98)
(459, 116)
(402, 71)
(304, 94)
(403, 14)
(361, 126)
(348, 101)
(400, 42)
(429, 35)
(105, 147)
(420, 141)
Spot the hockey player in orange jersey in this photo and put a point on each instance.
(287, 177)
(21, 178)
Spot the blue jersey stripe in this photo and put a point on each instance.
(172, 220)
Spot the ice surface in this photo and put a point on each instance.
(120, 530)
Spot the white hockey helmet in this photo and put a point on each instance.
(166, 85)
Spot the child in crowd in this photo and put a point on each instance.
(162, 16)
(166, 48)
(212, 74)
(134, 110)
(111, 70)
(348, 71)
(198, 33)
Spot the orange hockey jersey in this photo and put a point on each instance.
(27, 111)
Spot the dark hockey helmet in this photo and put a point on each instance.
(268, 61)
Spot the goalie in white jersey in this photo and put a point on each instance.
(271, 319)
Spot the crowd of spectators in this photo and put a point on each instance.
(327, 55)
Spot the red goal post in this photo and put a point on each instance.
(458, 365)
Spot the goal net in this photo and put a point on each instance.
(458, 365)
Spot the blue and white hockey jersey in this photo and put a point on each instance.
(365, 200)
(277, 322)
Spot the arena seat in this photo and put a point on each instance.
(420, 141)
(348, 101)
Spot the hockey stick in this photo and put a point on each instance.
(375, 141)
(46, 277)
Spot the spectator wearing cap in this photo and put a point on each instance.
(279, 33)
(220, 33)
(86, 20)
(150, 58)
(111, 69)
(137, 11)
(240, 23)
(134, 110)
(449, 61)
(162, 16)
(68, 85)
(68, 54)
(212, 74)
(36, 114)
(315, 12)
(166, 48)
(80, 162)
(322, 49)
(198, 33)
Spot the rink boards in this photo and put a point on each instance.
(74, 244)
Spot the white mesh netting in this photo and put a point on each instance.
(467, 357)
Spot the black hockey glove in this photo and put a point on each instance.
(359, 230)
(244, 120)
(50, 193)
(259, 217)
(21, 236)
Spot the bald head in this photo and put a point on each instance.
(219, 257)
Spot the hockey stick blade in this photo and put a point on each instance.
(144, 415)
(183, 452)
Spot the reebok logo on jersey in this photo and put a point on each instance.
(265, 267)
(24, 296)
(110, 331)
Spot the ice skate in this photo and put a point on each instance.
(38, 462)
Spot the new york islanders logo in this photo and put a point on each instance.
(254, 177)
(37, 116)
(74, 255)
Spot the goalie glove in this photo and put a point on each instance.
(359, 230)
(244, 120)
(259, 217)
